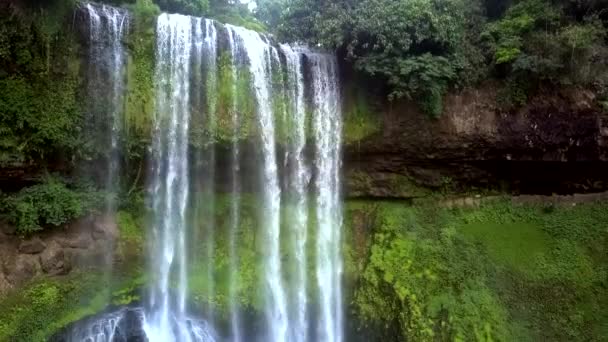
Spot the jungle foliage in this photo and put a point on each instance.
(437, 274)
(51, 203)
(421, 48)
(47, 305)
(39, 114)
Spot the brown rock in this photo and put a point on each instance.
(99, 234)
(81, 240)
(6, 229)
(52, 259)
(105, 228)
(32, 246)
(24, 268)
(5, 286)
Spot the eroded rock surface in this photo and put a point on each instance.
(556, 143)
(85, 242)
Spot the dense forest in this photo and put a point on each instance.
(450, 254)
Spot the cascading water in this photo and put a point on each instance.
(261, 55)
(296, 124)
(235, 317)
(298, 179)
(170, 185)
(106, 84)
(326, 122)
(106, 59)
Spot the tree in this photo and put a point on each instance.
(414, 45)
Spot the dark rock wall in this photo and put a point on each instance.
(557, 143)
(87, 242)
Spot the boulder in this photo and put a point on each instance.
(105, 228)
(5, 286)
(6, 229)
(80, 240)
(24, 268)
(32, 246)
(52, 259)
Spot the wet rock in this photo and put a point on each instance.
(105, 228)
(99, 234)
(81, 240)
(24, 268)
(5, 286)
(537, 148)
(52, 259)
(32, 246)
(6, 229)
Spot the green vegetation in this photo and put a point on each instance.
(139, 108)
(359, 120)
(422, 48)
(498, 273)
(39, 111)
(39, 310)
(50, 203)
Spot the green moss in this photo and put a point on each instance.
(505, 243)
(399, 186)
(360, 121)
(499, 272)
(140, 92)
(131, 229)
(39, 110)
(49, 304)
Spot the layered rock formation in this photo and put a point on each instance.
(86, 242)
(557, 143)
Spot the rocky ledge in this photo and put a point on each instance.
(557, 143)
(88, 241)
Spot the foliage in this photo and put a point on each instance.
(439, 274)
(415, 46)
(39, 111)
(191, 7)
(269, 12)
(359, 120)
(43, 307)
(536, 41)
(48, 204)
(421, 48)
(235, 13)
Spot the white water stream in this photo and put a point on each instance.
(298, 172)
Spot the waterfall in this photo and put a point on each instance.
(326, 122)
(170, 184)
(289, 111)
(210, 57)
(261, 56)
(106, 73)
(106, 85)
(298, 179)
(235, 319)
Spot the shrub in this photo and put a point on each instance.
(48, 204)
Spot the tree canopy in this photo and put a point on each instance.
(421, 48)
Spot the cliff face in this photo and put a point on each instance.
(558, 142)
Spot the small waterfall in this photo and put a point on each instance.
(170, 184)
(261, 56)
(235, 319)
(210, 86)
(326, 124)
(298, 179)
(106, 85)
